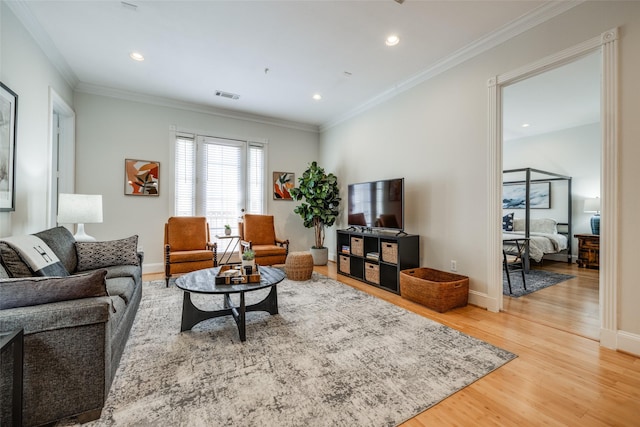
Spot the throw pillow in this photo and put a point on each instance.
(507, 222)
(26, 292)
(12, 262)
(92, 255)
(62, 243)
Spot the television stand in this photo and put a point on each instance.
(377, 258)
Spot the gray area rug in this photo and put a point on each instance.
(333, 356)
(536, 280)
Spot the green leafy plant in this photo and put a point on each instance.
(248, 255)
(227, 227)
(320, 197)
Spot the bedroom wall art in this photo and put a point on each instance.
(142, 177)
(8, 120)
(513, 196)
(282, 183)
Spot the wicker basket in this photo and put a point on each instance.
(299, 266)
(345, 264)
(357, 246)
(372, 273)
(437, 290)
(390, 252)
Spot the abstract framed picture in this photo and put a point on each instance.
(8, 126)
(282, 183)
(141, 177)
(514, 197)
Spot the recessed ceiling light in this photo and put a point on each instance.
(136, 56)
(317, 97)
(392, 40)
(525, 125)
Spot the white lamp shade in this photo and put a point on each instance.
(592, 205)
(79, 208)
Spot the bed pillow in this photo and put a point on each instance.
(541, 225)
(507, 222)
(544, 225)
(92, 255)
(24, 292)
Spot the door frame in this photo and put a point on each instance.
(607, 45)
(62, 153)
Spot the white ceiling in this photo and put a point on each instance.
(562, 98)
(194, 48)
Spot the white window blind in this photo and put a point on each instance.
(219, 178)
(256, 173)
(185, 176)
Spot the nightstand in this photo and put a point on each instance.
(588, 250)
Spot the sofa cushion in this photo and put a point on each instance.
(62, 243)
(122, 287)
(26, 292)
(93, 255)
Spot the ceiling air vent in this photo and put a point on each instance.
(227, 95)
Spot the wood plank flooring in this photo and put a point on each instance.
(571, 306)
(559, 378)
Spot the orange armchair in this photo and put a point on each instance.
(257, 232)
(186, 246)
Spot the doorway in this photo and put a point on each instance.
(551, 122)
(606, 45)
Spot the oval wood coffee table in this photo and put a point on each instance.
(203, 282)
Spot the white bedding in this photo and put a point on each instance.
(541, 243)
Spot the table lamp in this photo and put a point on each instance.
(80, 209)
(593, 206)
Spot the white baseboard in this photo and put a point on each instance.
(152, 268)
(629, 343)
(484, 301)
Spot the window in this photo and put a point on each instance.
(219, 179)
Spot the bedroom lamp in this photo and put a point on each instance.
(593, 206)
(80, 209)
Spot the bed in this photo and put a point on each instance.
(544, 235)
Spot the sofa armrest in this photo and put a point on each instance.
(56, 315)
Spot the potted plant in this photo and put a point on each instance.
(227, 230)
(320, 197)
(248, 259)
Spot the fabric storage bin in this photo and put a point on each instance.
(357, 246)
(389, 252)
(372, 273)
(345, 264)
(435, 289)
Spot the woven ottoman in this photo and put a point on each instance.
(298, 266)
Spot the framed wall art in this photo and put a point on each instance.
(8, 126)
(141, 177)
(514, 197)
(282, 183)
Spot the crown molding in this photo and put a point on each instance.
(25, 16)
(189, 106)
(517, 27)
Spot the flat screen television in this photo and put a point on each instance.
(377, 204)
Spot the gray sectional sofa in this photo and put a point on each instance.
(75, 326)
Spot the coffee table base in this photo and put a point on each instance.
(192, 315)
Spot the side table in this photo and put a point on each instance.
(588, 250)
(12, 349)
(229, 249)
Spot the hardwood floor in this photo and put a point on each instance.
(571, 306)
(558, 379)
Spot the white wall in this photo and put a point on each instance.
(439, 130)
(26, 70)
(110, 130)
(574, 152)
